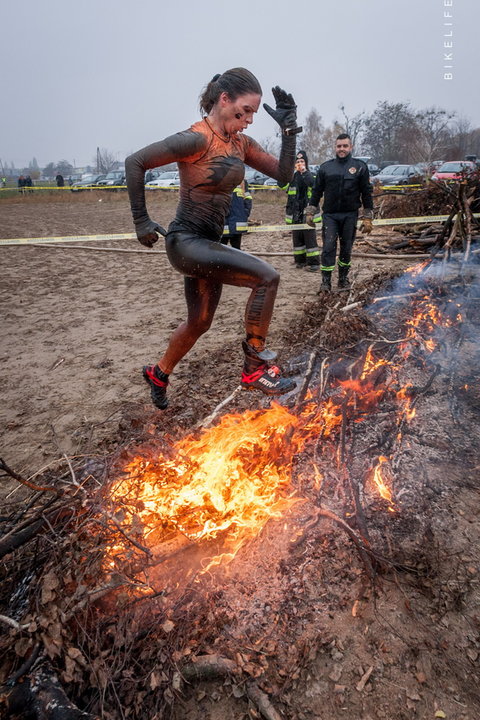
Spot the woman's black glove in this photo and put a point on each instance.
(285, 113)
(148, 232)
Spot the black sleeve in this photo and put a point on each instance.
(318, 187)
(308, 178)
(366, 190)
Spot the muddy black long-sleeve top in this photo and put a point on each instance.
(210, 167)
(344, 183)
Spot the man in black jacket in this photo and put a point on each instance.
(344, 184)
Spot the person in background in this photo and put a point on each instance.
(305, 249)
(59, 180)
(4, 181)
(236, 221)
(29, 184)
(344, 184)
(21, 184)
(211, 157)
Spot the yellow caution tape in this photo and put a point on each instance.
(25, 190)
(251, 229)
(67, 238)
(397, 187)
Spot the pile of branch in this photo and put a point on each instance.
(458, 232)
(433, 199)
(117, 641)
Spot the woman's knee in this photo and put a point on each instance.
(269, 278)
(199, 325)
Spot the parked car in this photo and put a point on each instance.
(170, 178)
(399, 175)
(373, 169)
(271, 182)
(254, 177)
(455, 170)
(114, 177)
(152, 175)
(87, 182)
(74, 178)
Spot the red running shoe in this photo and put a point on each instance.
(158, 382)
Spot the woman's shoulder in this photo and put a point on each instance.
(201, 126)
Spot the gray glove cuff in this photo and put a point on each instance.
(310, 210)
(367, 213)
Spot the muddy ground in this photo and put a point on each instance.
(325, 638)
(78, 325)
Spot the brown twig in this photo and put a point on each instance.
(39, 488)
(208, 667)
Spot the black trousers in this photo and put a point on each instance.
(338, 226)
(305, 248)
(235, 240)
(208, 265)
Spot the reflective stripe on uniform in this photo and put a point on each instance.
(327, 268)
(343, 264)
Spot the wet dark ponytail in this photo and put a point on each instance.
(235, 82)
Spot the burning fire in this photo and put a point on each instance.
(229, 480)
(381, 482)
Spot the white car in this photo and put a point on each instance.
(170, 178)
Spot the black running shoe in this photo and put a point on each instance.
(158, 382)
(268, 380)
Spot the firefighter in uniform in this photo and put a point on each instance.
(236, 221)
(344, 184)
(305, 249)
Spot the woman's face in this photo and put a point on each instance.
(236, 115)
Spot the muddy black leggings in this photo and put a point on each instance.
(207, 265)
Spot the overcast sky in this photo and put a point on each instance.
(120, 74)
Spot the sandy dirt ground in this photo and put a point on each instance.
(325, 640)
(78, 325)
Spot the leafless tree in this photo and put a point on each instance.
(270, 145)
(390, 132)
(433, 133)
(312, 139)
(353, 125)
(104, 161)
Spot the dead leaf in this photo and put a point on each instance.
(168, 626)
(49, 585)
(155, 680)
(77, 655)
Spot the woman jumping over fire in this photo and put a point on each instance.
(211, 156)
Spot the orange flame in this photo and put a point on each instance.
(380, 481)
(229, 480)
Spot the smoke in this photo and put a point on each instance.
(440, 301)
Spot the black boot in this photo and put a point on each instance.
(343, 281)
(259, 373)
(326, 286)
